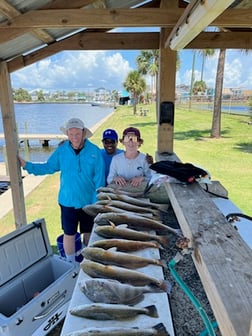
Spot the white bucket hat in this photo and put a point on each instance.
(76, 123)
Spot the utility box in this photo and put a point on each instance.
(35, 285)
(165, 128)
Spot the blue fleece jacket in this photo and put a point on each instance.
(80, 175)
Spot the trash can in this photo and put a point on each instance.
(78, 247)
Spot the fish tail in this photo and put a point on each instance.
(158, 245)
(161, 330)
(165, 285)
(152, 311)
(163, 263)
(164, 240)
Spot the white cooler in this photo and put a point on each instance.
(35, 285)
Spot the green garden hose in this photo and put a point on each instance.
(209, 326)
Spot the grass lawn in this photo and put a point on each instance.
(228, 159)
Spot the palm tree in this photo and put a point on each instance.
(192, 80)
(148, 63)
(205, 53)
(136, 85)
(216, 121)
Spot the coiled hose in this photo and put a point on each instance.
(209, 326)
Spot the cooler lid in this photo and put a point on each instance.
(22, 248)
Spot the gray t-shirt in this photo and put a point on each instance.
(128, 168)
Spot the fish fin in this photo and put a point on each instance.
(161, 330)
(111, 223)
(113, 249)
(123, 226)
(163, 263)
(152, 311)
(166, 286)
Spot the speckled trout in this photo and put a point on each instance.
(110, 311)
(97, 270)
(157, 330)
(122, 259)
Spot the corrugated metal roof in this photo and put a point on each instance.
(16, 42)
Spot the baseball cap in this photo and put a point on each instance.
(110, 134)
(76, 123)
(133, 131)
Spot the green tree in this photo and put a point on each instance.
(40, 95)
(199, 87)
(136, 85)
(21, 95)
(148, 63)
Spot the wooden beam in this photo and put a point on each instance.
(197, 16)
(112, 18)
(11, 12)
(11, 140)
(89, 41)
(226, 40)
(222, 258)
(95, 18)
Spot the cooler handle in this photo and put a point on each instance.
(56, 304)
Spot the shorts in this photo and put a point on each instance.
(71, 218)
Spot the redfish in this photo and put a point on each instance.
(122, 231)
(121, 259)
(97, 270)
(125, 245)
(134, 221)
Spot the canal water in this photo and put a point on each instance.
(48, 118)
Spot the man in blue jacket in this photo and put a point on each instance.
(82, 172)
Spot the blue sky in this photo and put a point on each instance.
(88, 70)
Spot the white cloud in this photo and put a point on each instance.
(93, 69)
(237, 72)
(74, 71)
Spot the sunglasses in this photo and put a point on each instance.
(128, 138)
(109, 142)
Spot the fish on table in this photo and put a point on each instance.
(95, 209)
(131, 200)
(129, 207)
(123, 231)
(125, 245)
(157, 330)
(136, 278)
(122, 259)
(120, 192)
(110, 311)
(113, 291)
(134, 221)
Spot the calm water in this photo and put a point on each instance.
(48, 118)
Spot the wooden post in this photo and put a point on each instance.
(11, 140)
(166, 92)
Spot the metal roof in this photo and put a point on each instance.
(30, 28)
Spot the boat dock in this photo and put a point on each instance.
(42, 138)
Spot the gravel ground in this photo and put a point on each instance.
(186, 319)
